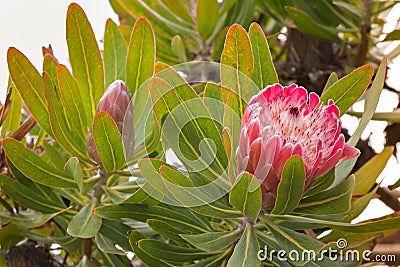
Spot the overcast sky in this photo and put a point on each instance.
(29, 25)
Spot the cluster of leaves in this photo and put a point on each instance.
(198, 212)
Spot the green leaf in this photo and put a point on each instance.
(86, 62)
(371, 101)
(85, 224)
(180, 8)
(13, 118)
(108, 142)
(232, 115)
(331, 80)
(322, 183)
(34, 167)
(28, 198)
(218, 209)
(106, 245)
(366, 176)
(290, 240)
(212, 241)
(306, 24)
(165, 229)
(245, 252)
(237, 64)
(143, 213)
(246, 195)
(359, 204)
(291, 186)
(50, 66)
(264, 71)
(71, 98)
(65, 135)
(207, 17)
(186, 125)
(219, 44)
(333, 201)
(29, 220)
(115, 51)
(346, 91)
(395, 185)
(74, 168)
(10, 235)
(117, 232)
(167, 252)
(134, 238)
(28, 82)
(178, 48)
(392, 36)
(141, 55)
(301, 223)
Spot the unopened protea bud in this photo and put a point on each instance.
(116, 102)
(281, 122)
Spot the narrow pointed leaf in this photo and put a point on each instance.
(246, 195)
(264, 71)
(71, 97)
(141, 55)
(178, 47)
(366, 176)
(207, 17)
(237, 63)
(346, 91)
(28, 82)
(34, 167)
(84, 54)
(115, 51)
(60, 122)
(212, 241)
(108, 142)
(245, 252)
(291, 186)
(371, 101)
(25, 197)
(85, 224)
(13, 118)
(74, 168)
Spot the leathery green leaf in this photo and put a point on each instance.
(86, 62)
(207, 17)
(13, 118)
(346, 91)
(371, 101)
(34, 167)
(212, 241)
(264, 71)
(245, 252)
(115, 51)
(332, 201)
(72, 100)
(167, 252)
(366, 176)
(28, 82)
(85, 224)
(141, 55)
(246, 195)
(60, 121)
(237, 63)
(108, 142)
(25, 197)
(291, 186)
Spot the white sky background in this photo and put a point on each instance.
(30, 24)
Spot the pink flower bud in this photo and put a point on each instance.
(116, 102)
(281, 122)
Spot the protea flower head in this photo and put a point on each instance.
(116, 102)
(281, 122)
